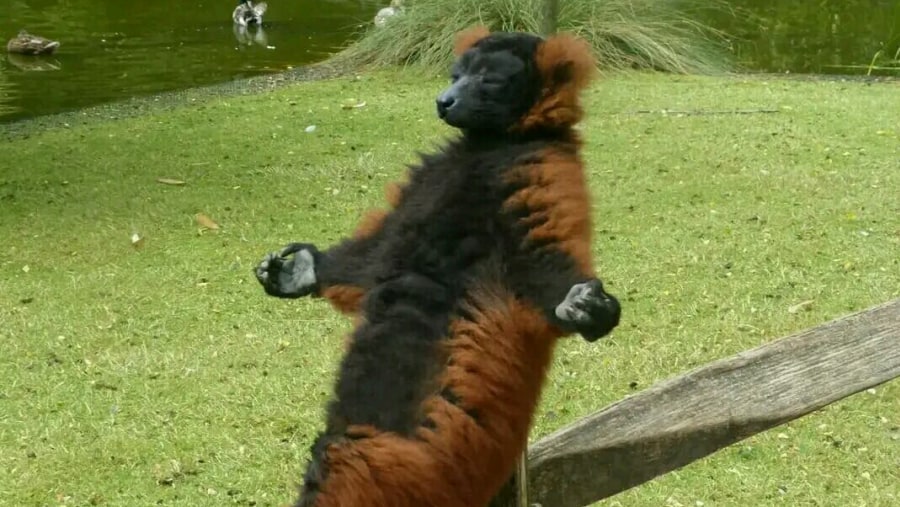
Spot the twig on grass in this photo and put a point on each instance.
(675, 112)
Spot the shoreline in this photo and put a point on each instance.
(324, 70)
(163, 101)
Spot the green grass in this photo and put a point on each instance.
(650, 34)
(163, 376)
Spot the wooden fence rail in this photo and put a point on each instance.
(691, 416)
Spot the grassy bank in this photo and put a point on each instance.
(160, 375)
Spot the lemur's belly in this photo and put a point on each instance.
(476, 422)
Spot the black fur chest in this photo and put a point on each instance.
(451, 215)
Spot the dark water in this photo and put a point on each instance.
(115, 49)
(815, 36)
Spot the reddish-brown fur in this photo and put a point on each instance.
(557, 196)
(463, 461)
(559, 105)
(346, 298)
(496, 359)
(467, 38)
(499, 380)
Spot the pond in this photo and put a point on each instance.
(114, 49)
(814, 36)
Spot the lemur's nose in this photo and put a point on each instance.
(444, 102)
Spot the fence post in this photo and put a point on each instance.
(550, 18)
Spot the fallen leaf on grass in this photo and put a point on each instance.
(206, 222)
(353, 104)
(169, 181)
(803, 305)
(137, 240)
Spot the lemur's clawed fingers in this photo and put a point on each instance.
(590, 310)
(289, 277)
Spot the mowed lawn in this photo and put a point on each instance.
(157, 373)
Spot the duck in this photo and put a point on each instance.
(396, 7)
(27, 44)
(246, 13)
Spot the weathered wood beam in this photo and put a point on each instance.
(691, 416)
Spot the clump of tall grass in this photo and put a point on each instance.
(651, 34)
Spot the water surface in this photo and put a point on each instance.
(815, 36)
(115, 49)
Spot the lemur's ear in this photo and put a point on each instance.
(468, 38)
(566, 60)
(566, 65)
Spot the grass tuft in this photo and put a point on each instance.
(626, 34)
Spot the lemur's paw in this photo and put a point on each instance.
(289, 273)
(590, 310)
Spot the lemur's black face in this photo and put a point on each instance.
(493, 84)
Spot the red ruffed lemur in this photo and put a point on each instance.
(462, 288)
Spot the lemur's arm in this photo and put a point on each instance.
(571, 299)
(337, 274)
(342, 274)
(552, 263)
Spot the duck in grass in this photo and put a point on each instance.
(27, 44)
(246, 13)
